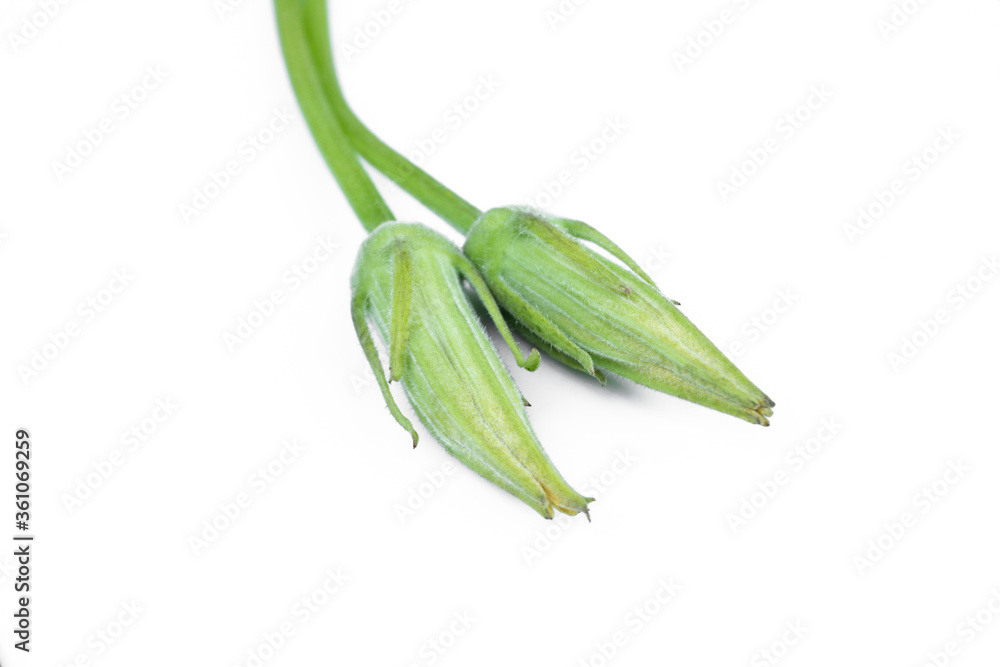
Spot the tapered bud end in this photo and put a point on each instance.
(590, 311)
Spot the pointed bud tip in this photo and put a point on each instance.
(763, 411)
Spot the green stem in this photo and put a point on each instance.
(414, 180)
(335, 146)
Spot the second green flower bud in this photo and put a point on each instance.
(593, 313)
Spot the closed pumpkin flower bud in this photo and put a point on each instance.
(408, 281)
(593, 313)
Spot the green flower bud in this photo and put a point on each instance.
(590, 312)
(409, 280)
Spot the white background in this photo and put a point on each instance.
(538, 592)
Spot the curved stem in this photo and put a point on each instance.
(459, 213)
(336, 148)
